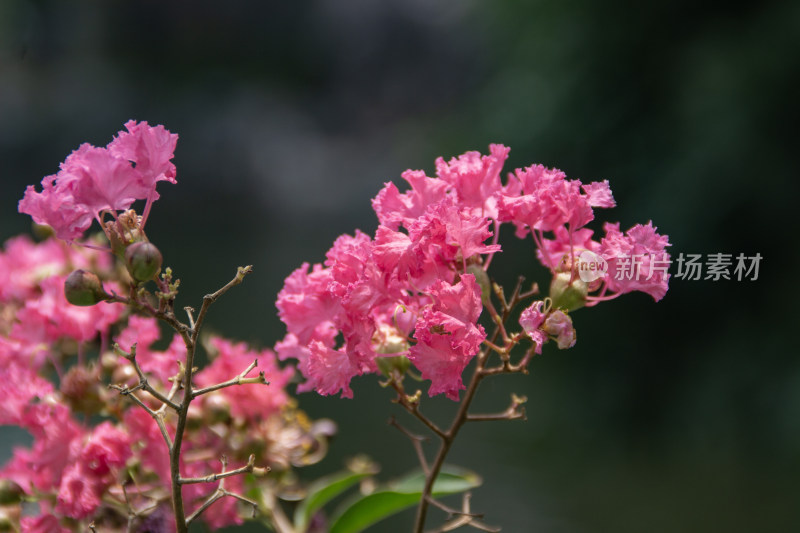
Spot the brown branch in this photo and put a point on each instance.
(416, 442)
(413, 407)
(238, 380)
(209, 299)
(246, 469)
(143, 382)
(221, 492)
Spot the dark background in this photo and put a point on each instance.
(677, 416)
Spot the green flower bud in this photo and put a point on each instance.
(143, 261)
(482, 278)
(10, 492)
(394, 362)
(84, 288)
(566, 295)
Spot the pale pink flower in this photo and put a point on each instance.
(559, 325)
(531, 320)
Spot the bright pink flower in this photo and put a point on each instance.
(93, 180)
(56, 207)
(329, 370)
(549, 200)
(637, 260)
(107, 448)
(447, 334)
(304, 303)
(395, 209)
(253, 401)
(151, 148)
(100, 181)
(475, 178)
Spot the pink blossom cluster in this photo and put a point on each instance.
(93, 181)
(415, 288)
(76, 470)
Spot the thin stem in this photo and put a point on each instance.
(246, 469)
(209, 299)
(416, 441)
(238, 380)
(143, 383)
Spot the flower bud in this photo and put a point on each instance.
(482, 279)
(394, 362)
(84, 288)
(566, 295)
(10, 492)
(82, 390)
(143, 261)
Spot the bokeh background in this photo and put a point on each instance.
(677, 416)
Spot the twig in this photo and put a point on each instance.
(221, 492)
(416, 441)
(209, 299)
(413, 407)
(246, 469)
(143, 382)
(238, 380)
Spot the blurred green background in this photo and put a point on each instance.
(677, 416)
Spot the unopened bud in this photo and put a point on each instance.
(394, 362)
(81, 388)
(10, 492)
(84, 288)
(567, 293)
(482, 278)
(143, 261)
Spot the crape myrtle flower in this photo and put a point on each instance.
(410, 281)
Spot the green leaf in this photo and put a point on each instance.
(372, 508)
(322, 491)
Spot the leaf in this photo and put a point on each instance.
(372, 508)
(322, 491)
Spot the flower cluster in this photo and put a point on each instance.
(93, 181)
(96, 455)
(418, 287)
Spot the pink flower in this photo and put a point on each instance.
(56, 207)
(549, 200)
(559, 325)
(50, 317)
(44, 523)
(253, 401)
(79, 493)
(329, 370)
(144, 332)
(151, 148)
(554, 250)
(95, 180)
(395, 209)
(531, 321)
(448, 336)
(475, 178)
(637, 260)
(304, 303)
(107, 448)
